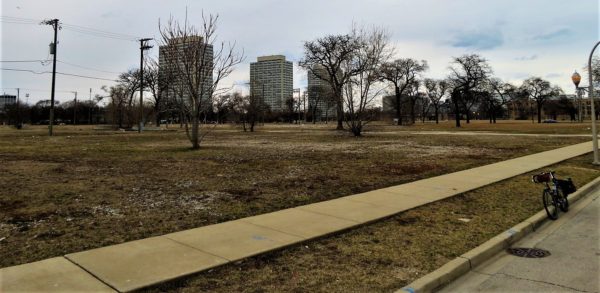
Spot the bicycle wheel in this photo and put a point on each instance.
(563, 200)
(550, 205)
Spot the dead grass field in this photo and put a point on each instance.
(387, 255)
(502, 126)
(83, 189)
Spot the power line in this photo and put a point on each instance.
(23, 61)
(33, 90)
(101, 35)
(100, 32)
(61, 73)
(72, 27)
(84, 76)
(46, 62)
(88, 68)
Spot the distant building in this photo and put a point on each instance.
(271, 78)
(7, 100)
(170, 63)
(320, 94)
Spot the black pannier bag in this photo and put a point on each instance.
(567, 186)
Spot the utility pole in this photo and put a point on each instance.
(75, 109)
(90, 108)
(143, 47)
(53, 49)
(20, 121)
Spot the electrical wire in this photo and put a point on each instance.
(60, 73)
(87, 68)
(89, 30)
(42, 62)
(47, 61)
(72, 27)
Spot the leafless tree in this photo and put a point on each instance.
(467, 73)
(436, 90)
(539, 91)
(118, 98)
(158, 82)
(413, 94)
(200, 63)
(330, 53)
(502, 93)
(247, 109)
(221, 104)
(362, 87)
(424, 105)
(402, 74)
(595, 69)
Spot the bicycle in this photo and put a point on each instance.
(555, 194)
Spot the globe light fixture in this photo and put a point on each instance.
(576, 78)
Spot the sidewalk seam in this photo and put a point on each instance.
(91, 274)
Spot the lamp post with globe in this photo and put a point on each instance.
(576, 78)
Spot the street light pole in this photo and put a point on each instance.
(593, 114)
(576, 78)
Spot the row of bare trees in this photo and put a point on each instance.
(358, 67)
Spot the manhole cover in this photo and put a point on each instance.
(528, 252)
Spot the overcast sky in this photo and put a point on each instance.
(520, 38)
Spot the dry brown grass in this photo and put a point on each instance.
(387, 255)
(503, 126)
(83, 189)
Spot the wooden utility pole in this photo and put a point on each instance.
(75, 109)
(143, 47)
(53, 49)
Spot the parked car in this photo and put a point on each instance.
(549, 121)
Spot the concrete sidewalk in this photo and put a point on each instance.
(137, 264)
(573, 265)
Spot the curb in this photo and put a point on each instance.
(472, 258)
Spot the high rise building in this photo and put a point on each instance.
(189, 54)
(271, 78)
(320, 95)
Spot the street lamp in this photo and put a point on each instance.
(576, 78)
(591, 93)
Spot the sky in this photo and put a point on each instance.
(546, 38)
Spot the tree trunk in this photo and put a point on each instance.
(356, 129)
(468, 116)
(412, 110)
(398, 107)
(539, 112)
(457, 113)
(195, 131)
(437, 116)
(340, 111)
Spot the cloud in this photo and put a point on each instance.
(527, 58)
(553, 75)
(555, 34)
(479, 40)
